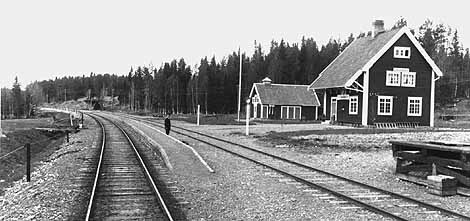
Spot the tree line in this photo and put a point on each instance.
(177, 88)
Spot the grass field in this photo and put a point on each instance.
(17, 133)
(25, 124)
(13, 166)
(460, 122)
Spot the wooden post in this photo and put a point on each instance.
(67, 132)
(28, 162)
(198, 113)
(247, 132)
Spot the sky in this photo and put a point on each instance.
(41, 40)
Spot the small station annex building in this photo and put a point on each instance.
(283, 101)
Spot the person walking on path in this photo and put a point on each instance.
(167, 124)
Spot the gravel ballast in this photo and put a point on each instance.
(374, 166)
(238, 189)
(242, 190)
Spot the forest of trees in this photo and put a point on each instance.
(177, 88)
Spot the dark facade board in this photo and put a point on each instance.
(377, 76)
(277, 112)
(343, 112)
(308, 113)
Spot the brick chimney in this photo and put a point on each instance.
(378, 27)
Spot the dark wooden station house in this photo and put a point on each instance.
(383, 78)
(283, 101)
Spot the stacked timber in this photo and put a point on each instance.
(442, 185)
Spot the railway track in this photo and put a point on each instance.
(346, 192)
(123, 187)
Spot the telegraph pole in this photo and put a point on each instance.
(239, 85)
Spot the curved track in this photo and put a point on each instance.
(384, 202)
(123, 188)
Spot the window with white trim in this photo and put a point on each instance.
(291, 112)
(401, 52)
(400, 77)
(353, 102)
(408, 79)
(264, 111)
(393, 78)
(297, 113)
(414, 106)
(284, 112)
(384, 105)
(271, 109)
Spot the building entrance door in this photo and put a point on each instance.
(334, 105)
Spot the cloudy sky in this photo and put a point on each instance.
(46, 39)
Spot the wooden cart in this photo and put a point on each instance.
(448, 158)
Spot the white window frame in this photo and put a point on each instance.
(334, 100)
(390, 76)
(420, 106)
(289, 108)
(298, 108)
(407, 75)
(378, 105)
(263, 107)
(353, 100)
(401, 52)
(287, 112)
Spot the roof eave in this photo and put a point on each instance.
(340, 54)
(327, 87)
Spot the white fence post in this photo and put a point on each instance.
(198, 113)
(247, 132)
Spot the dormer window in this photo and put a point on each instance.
(401, 52)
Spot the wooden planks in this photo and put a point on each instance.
(448, 158)
(432, 145)
(442, 185)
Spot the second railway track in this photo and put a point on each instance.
(376, 200)
(123, 188)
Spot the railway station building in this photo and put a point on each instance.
(385, 77)
(283, 101)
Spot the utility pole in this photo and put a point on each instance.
(206, 101)
(89, 96)
(65, 94)
(112, 98)
(239, 84)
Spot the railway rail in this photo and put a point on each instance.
(123, 187)
(386, 203)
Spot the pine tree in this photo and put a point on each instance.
(18, 100)
(400, 23)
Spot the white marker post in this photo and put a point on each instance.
(198, 112)
(247, 117)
